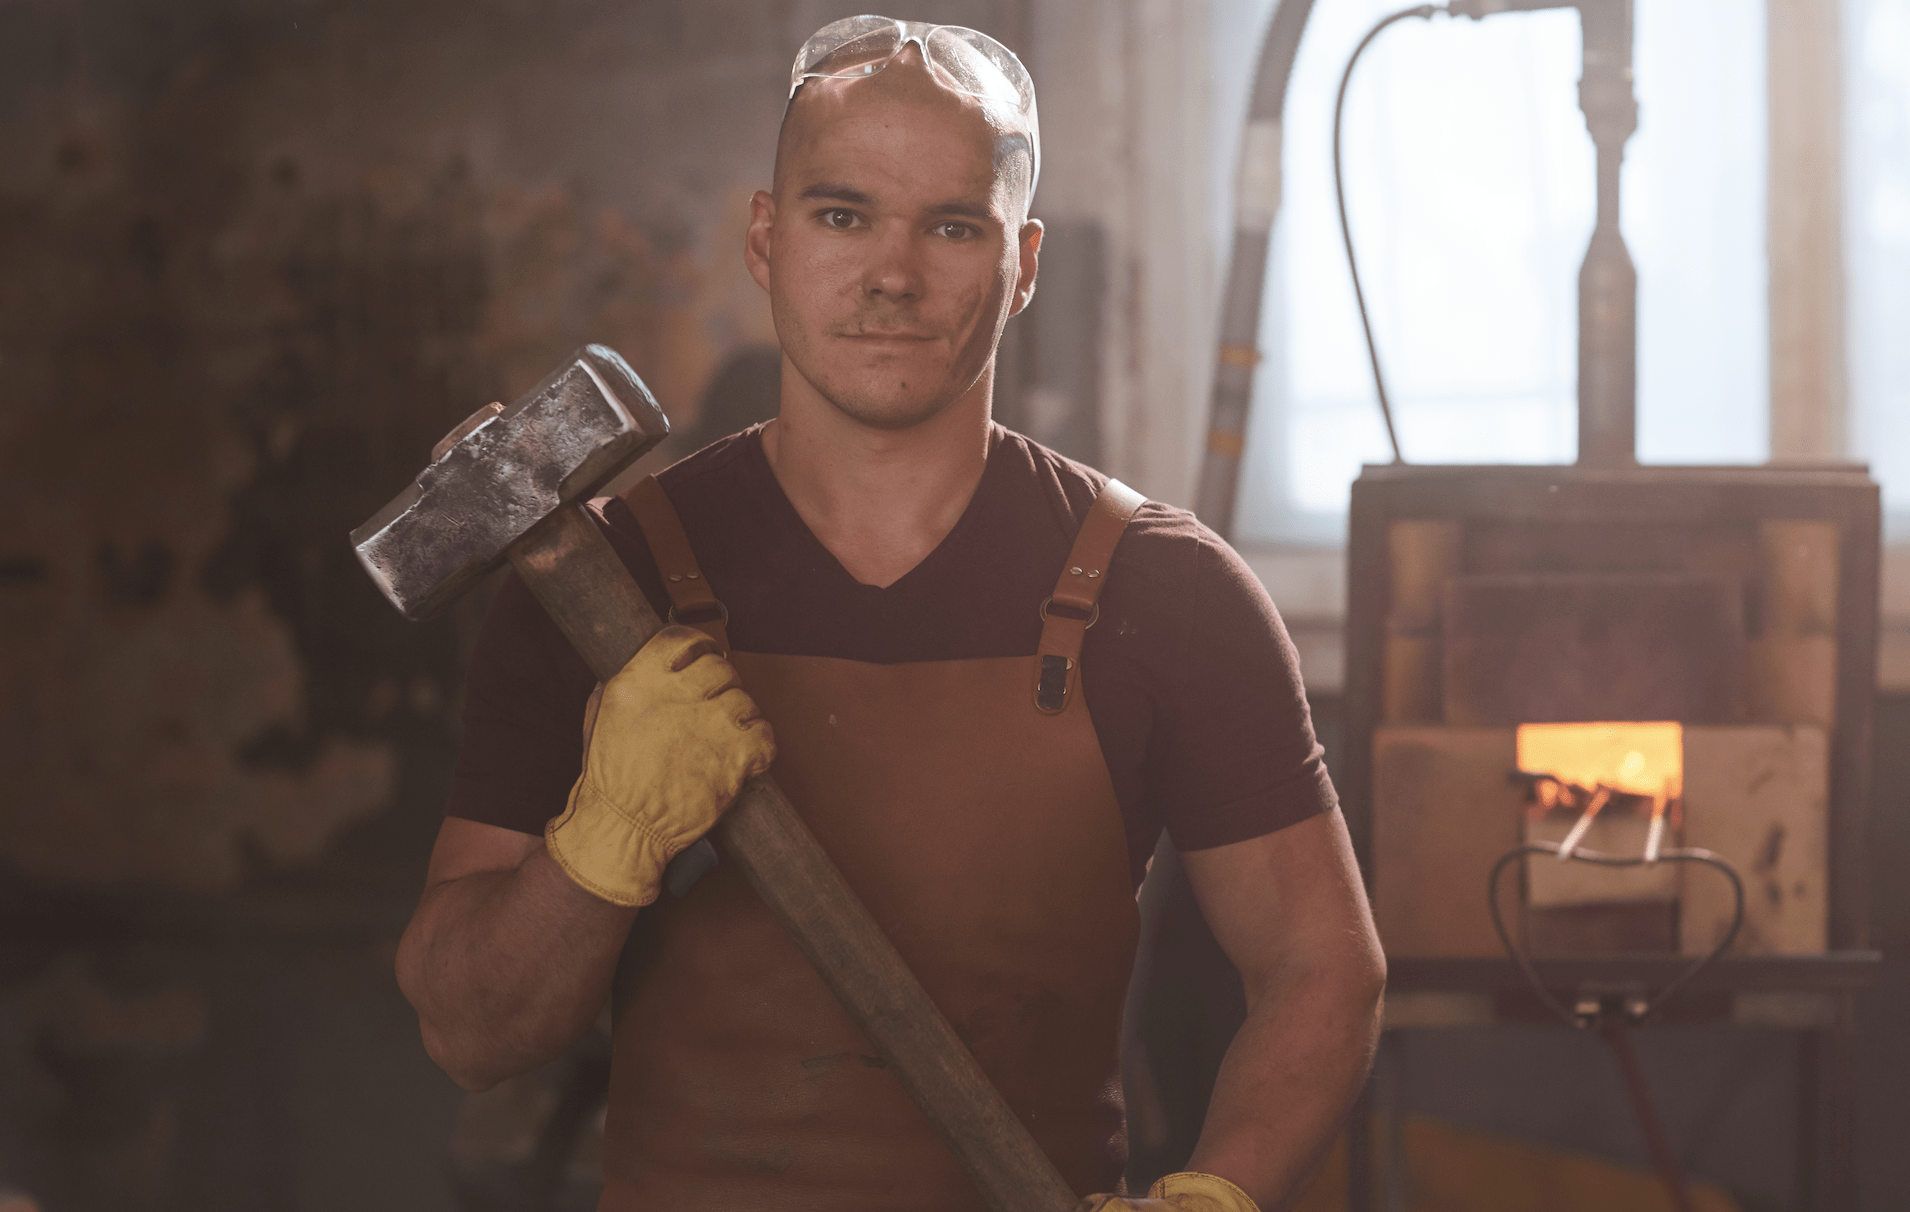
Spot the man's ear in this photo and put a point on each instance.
(1030, 250)
(762, 217)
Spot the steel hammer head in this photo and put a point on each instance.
(554, 447)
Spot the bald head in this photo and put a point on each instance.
(908, 91)
(895, 246)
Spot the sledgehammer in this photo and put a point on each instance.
(510, 484)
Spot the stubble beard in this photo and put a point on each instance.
(883, 398)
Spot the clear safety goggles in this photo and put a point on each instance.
(968, 60)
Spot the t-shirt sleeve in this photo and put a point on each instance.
(524, 701)
(1233, 750)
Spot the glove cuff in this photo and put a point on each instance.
(605, 853)
(1217, 1192)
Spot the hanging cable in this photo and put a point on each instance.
(1425, 12)
(1617, 1033)
(1582, 855)
(1616, 1028)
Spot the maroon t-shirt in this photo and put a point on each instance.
(1189, 677)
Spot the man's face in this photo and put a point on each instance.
(894, 248)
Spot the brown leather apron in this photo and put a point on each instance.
(968, 804)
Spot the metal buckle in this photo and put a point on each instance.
(1051, 683)
(723, 615)
(1094, 612)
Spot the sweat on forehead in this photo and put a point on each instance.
(907, 87)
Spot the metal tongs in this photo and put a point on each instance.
(1552, 790)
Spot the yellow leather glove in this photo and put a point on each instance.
(1188, 1191)
(668, 743)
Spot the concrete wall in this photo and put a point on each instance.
(254, 258)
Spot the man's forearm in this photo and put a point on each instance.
(505, 968)
(1293, 1069)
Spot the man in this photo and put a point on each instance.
(989, 767)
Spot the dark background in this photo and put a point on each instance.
(254, 258)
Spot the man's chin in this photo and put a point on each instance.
(888, 401)
(888, 413)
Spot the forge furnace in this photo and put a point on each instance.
(1738, 604)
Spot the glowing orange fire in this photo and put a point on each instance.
(1632, 759)
(1582, 768)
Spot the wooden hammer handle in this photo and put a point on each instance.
(572, 569)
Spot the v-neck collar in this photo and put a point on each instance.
(792, 518)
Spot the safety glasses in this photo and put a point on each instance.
(968, 60)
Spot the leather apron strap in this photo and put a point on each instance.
(1058, 656)
(692, 601)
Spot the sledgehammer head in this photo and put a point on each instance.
(497, 478)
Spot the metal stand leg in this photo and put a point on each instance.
(1838, 1077)
(1359, 1153)
(1810, 1142)
(1827, 1114)
(1391, 1074)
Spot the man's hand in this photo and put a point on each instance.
(670, 740)
(512, 950)
(1184, 1192)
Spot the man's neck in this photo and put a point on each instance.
(879, 499)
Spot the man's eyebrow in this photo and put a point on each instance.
(831, 191)
(965, 208)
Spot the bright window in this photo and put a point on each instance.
(1877, 244)
(1470, 187)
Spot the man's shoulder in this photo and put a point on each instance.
(1070, 486)
(714, 466)
(705, 487)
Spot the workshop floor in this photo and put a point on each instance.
(1453, 1169)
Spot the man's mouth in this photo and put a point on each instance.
(890, 334)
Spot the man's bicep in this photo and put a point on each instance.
(1286, 900)
(469, 847)
(1234, 751)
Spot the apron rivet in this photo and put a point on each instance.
(1074, 572)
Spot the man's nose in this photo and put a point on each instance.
(894, 271)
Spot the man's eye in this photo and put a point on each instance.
(955, 231)
(841, 219)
